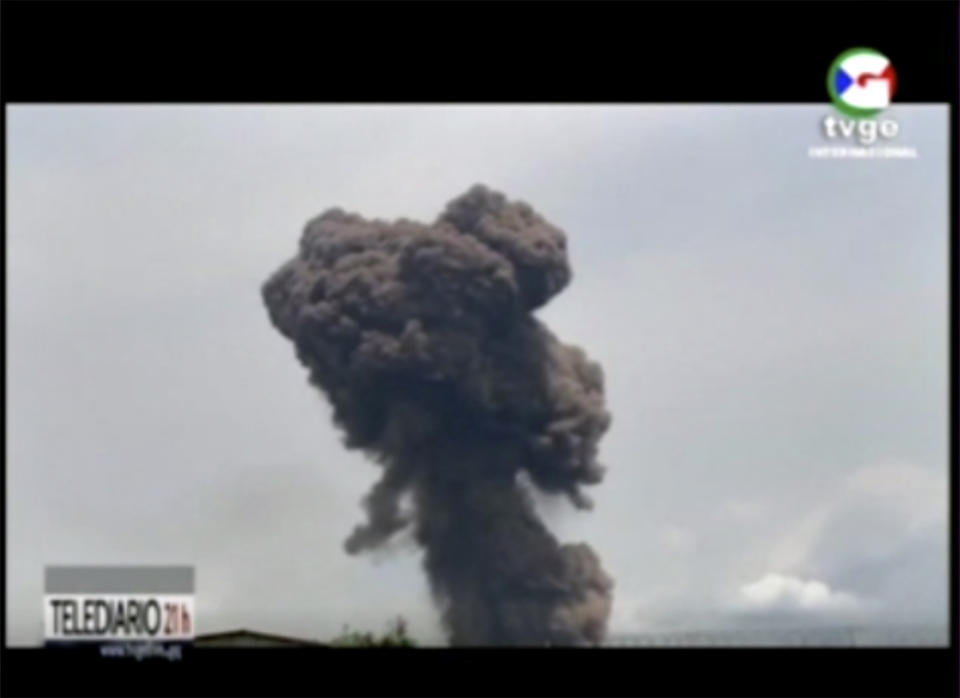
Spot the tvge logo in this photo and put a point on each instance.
(866, 131)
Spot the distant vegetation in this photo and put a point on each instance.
(396, 636)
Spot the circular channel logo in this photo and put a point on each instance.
(861, 82)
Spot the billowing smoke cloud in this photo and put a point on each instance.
(423, 339)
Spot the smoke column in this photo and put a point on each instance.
(422, 337)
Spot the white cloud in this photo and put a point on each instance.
(779, 592)
(881, 535)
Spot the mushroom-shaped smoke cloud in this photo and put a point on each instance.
(423, 339)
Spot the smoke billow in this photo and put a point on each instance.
(423, 339)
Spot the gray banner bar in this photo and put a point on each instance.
(120, 579)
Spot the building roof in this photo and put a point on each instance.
(243, 636)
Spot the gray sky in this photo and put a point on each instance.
(773, 331)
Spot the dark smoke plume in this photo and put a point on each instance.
(423, 339)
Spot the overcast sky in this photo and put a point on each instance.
(773, 331)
